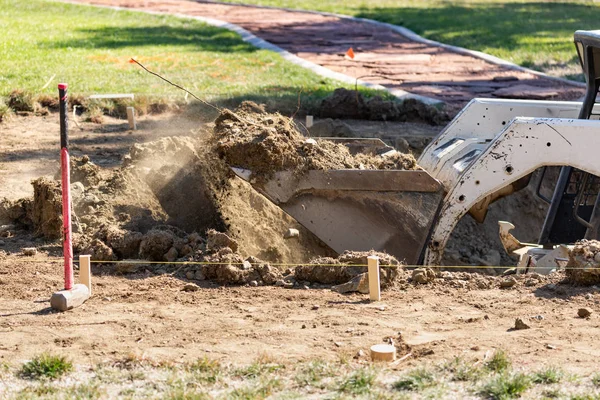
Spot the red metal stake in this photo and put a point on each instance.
(66, 186)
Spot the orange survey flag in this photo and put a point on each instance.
(350, 53)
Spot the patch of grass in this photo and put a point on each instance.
(4, 367)
(84, 391)
(505, 386)
(182, 392)
(5, 110)
(262, 390)
(552, 393)
(205, 370)
(263, 365)
(499, 362)
(359, 381)
(312, 373)
(94, 114)
(37, 391)
(595, 380)
(46, 366)
(415, 381)
(21, 100)
(547, 376)
(539, 35)
(90, 48)
(463, 371)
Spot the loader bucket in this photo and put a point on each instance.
(383, 210)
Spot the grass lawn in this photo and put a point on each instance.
(206, 378)
(90, 48)
(533, 33)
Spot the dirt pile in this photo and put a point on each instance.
(265, 143)
(583, 267)
(347, 266)
(344, 103)
(42, 214)
(172, 199)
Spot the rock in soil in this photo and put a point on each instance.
(155, 244)
(29, 251)
(423, 275)
(520, 324)
(582, 268)
(191, 287)
(360, 283)
(508, 283)
(342, 269)
(215, 241)
(291, 233)
(584, 312)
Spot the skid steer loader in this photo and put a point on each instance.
(488, 151)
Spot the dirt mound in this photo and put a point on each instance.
(172, 199)
(46, 212)
(583, 267)
(345, 267)
(265, 143)
(344, 103)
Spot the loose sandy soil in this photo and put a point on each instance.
(149, 314)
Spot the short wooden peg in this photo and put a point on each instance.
(309, 121)
(85, 272)
(374, 284)
(131, 118)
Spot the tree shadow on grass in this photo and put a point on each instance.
(492, 25)
(109, 37)
(531, 26)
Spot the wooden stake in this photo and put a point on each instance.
(309, 121)
(374, 284)
(85, 272)
(131, 118)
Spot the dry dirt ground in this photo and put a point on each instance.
(149, 314)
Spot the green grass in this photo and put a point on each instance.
(462, 371)
(505, 386)
(46, 366)
(314, 372)
(90, 48)
(547, 376)
(415, 381)
(359, 381)
(534, 33)
(206, 370)
(499, 362)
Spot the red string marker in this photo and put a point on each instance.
(66, 186)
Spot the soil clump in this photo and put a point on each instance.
(344, 103)
(265, 143)
(346, 267)
(583, 267)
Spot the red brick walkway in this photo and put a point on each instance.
(396, 61)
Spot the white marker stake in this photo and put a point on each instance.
(85, 272)
(131, 118)
(309, 121)
(374, 286)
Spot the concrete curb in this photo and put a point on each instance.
(419, 39)
(263, 44)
